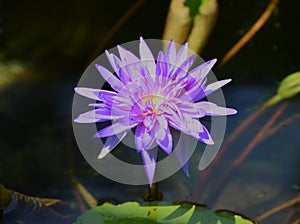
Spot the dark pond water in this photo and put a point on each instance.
(53, 43)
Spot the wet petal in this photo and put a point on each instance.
(113, 129)
(113, 81)
(149, 158)
(111, 143)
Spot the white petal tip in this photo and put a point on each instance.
(100, 156)
(231, 111)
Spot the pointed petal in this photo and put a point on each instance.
(98, 115)
(199, 131)
(149, 158)
(88, 92)
(215, 86)
(147, 57)
(166, 143)
(96, 94)
(182, 54)
(143, 138)
(212, 109)
(163, 135)
(113, 81)
(202, 70)
(112, 60)
(126, 56)
(205, 137)
(171, 54)
(194, 128)
(182, 71)
(113, 129)
(111, 143)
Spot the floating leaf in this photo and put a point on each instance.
(289, 87)
(163, 213)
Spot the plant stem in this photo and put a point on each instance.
(254, 29)
(279, 208)
(237, 162)
(225, 147)
(153, 193)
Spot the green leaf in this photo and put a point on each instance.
(288, 88)
(195, 6)
(163, 213)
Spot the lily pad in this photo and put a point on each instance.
(163, 213)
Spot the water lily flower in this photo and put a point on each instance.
(152, 95)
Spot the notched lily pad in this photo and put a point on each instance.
(163, 213)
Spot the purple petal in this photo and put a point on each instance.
(114, 61)
(113, 81)
(205, 137)
(166, 143)
(194, 128)
(90, 93)
(171, 54)
(182, 54)
(98, 115)
(215, 86)
(147, 57)
(162, 67)
(190, 109)
(212, 109)
(126, 56)
(117, 66)
(113, 129)
(202, 93)
(182, 71)
(202, 70)
(199, 131)
(111, 143)
(143, 138)
(163, 135)
(149, 158)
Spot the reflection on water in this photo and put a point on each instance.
(36, 136)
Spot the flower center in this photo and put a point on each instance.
(152, 103)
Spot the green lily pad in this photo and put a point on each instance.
(163, 213)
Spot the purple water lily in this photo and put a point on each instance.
(152, 95)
